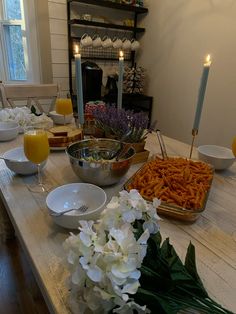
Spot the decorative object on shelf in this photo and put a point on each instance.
(120, 80)
(135, 44)
(134, 80)
(201, 94)
(79, 86)
(120, 264)
(86, 40)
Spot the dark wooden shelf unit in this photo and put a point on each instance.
(106, 25)
(113, 5)
(134, 30)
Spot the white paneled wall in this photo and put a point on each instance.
(59, 43)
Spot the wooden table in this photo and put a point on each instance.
(213, 234)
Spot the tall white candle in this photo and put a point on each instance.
(79, 85)
(201, 93)
(120, 80)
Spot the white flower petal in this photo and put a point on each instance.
(95, 273)
(131, 288)
(85, 239)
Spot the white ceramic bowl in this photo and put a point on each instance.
(18, 163)
(59, 118)
(218, 156)
(73, 196)
(8, 130)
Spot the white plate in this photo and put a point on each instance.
(74, 195)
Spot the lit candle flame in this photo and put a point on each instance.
(207, 61)
(77, 49)
(121, 54)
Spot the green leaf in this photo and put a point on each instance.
(190, 265)
(156, 303)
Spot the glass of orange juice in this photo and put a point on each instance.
(64, 107)
(36, 148)
(234, 146)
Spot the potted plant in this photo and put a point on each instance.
(124, 125)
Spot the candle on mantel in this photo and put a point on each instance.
(201, 93)
(79, 85)
(120, 80)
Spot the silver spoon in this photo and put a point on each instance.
(82, 209)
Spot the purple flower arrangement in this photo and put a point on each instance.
(121, 124)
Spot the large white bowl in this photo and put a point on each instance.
(220, 157)
(59, 118)
(8, 130)
(73, 196)
(16, 161)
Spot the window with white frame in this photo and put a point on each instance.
(16, 50)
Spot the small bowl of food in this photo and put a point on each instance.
(8, 131)
(59, 118)
(100, 161)
(16, 161)
(70, 203)
(218, 156)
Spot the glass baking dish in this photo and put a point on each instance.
(175, 211)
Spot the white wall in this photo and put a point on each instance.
(179, 33)
(59, 43)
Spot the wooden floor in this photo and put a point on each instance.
(19, 293)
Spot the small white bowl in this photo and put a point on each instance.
(218, 156)
(16, 161)
(59, 118)
(8, 130)
(73, 196)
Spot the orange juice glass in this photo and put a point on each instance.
(36, 148)
(234, 146)
(64, 106)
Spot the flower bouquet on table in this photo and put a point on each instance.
(120, 265)
(25, 117)
(124, 125)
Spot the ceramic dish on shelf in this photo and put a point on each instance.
(172, 210)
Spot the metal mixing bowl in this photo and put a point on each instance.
(95, 160)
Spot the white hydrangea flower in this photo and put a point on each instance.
(24, 117)
(105, 257)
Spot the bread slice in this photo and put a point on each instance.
(56, 137)
(75, 135)
(61, 130)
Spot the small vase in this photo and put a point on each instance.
(110, 135)
(139, 147)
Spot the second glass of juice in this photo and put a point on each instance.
(64, 107)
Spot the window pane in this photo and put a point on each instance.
(13, 10)
(15, 52)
